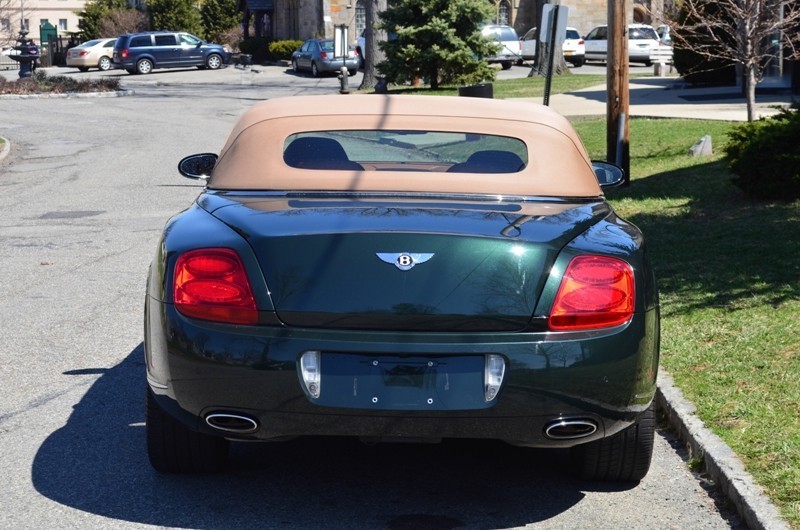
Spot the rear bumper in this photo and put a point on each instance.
(196, 368)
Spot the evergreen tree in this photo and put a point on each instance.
(218, 17)
(437, 40)
(175, 15)
(94, 13)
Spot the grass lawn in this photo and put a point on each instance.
(729, 275)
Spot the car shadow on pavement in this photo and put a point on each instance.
(97, 463)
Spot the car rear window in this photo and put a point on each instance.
(642, 34)
(142, 40)
(405, 150)
(500, 34)
(573, 34)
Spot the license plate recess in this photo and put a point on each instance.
(401, 382)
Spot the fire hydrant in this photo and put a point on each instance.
(343, 80)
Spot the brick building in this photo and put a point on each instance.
(302, 19)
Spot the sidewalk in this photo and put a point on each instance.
(668, 97)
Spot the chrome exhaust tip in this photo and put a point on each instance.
(225, 421)
(570, 429)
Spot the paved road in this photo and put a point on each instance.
(86, 190)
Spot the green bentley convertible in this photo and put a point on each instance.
(402, 268)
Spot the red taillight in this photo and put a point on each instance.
(581, 42)
(124, 53)
(323, 56)
(83, 52)
(595, 292)
(211, 284)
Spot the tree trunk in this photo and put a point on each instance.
(372, 36)
(543, 53)
(750, 82)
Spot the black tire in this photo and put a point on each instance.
(214, 61)
(351, 73)
(131, 70)
(295, 66)
(507, 65)
(623, 457)
(314, 69)
(579, 63)
(144, 66)
(174, 448)
(104, 64)
(648, 63)
(83, 68)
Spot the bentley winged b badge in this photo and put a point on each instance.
(403, 260)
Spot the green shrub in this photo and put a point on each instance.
(281, 50)
(698, 70)
(255, 46)
(765, 156)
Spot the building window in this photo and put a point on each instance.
(62, 24)
(43, 21)
(361, 18)
(502, 13)
(26, 24)
(5, 24)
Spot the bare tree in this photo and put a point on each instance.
(373, 36)
(11, 12)
(121, 21)
(751, 34)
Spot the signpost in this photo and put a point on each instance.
(553, 32)
(340, 50)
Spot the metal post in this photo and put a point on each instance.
(551, 44)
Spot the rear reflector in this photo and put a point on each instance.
(310, 371)
(493, 374)
(595, 292)
(211, 284)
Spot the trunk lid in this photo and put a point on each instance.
(433, 265)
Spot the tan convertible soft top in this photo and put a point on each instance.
(252, 157)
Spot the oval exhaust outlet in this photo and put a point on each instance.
(570, 429)
(225, 421)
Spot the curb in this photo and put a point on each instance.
(71, 95)
(719, 460)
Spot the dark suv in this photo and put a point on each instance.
(139, 53)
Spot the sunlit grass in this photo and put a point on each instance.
(729, 275)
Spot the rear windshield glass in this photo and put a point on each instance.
(642, 34)
(403, 150)
(500, 34)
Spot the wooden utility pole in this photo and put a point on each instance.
(618, 98)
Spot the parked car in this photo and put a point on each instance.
(316, 56)
(95, 53)
(140, 53)
(510, 51)
(401, 268)
(573, 46)
(361, 46)
(641, 41)
(664, 35)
